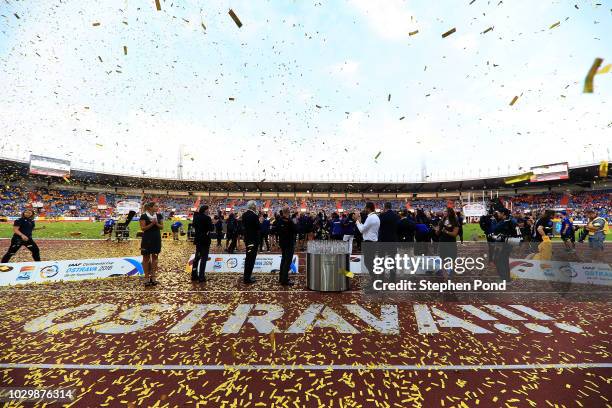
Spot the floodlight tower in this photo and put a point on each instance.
(423, 170)
(179, 167)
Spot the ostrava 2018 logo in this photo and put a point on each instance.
(49, 271)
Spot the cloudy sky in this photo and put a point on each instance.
(310, 82)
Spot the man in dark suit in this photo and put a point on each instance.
(202, 226)
(251, 227)
(389, 221)
(287, 231)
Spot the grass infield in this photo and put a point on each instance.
(93, 230)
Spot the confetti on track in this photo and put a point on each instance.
(204, 344)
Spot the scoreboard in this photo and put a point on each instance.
(48, 166)
(557, 171)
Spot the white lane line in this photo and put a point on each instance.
(357, 367)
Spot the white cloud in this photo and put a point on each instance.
(390, 19)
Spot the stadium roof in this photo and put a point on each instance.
(582, 176)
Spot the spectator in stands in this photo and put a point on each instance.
(151, 224)
(22, 236)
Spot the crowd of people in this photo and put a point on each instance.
(289, 229)
(69, 203)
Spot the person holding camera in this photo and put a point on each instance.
(446, 232)
(505, 229)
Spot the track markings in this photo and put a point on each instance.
(357, 367)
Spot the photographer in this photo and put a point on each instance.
(505, 229)
(487, 225)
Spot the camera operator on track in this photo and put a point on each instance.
(504, 234)
(487, 225)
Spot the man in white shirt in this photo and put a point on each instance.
(369, 231)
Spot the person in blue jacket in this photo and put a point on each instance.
(176, 228)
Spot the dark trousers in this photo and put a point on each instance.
(232, 242)
(287, 250)
(502, 260)
(16, 243)
(368, 261)
(491, 246)
(249, 260)
(262, 240)
(219, 237)
(199, 268)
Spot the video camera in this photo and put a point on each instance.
(495, 205)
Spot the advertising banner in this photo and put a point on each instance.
(561, 271)
(68, 270)
(474, 210)
(125, 206)
(235, 263)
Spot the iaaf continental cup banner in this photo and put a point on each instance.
(235, 263)
(562, 271)
(69, 270)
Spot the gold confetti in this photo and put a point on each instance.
(513, 101)
(487, 30)
(95, 24)
(449, 32)
(588, 81)
(605, 69)
(377, 155)
(235, 18)
(125, 50)
(557, 24)
(415, 32)
(157, 5)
